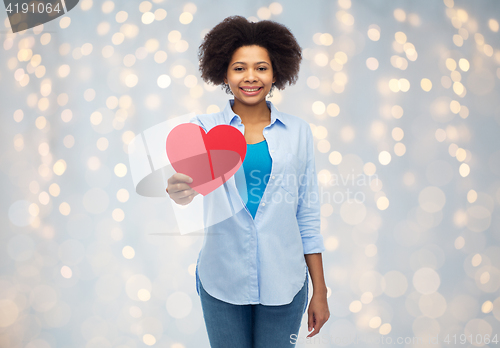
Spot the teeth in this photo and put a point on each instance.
(251, 90)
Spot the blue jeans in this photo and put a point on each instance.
(249, 326)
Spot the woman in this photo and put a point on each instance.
(252, 271)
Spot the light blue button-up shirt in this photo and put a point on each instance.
(251, 261)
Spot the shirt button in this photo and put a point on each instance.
(272, 151)
(265, 132)
(263, 204)
(272, 177)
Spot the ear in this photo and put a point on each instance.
(274, 79)
(225, 79)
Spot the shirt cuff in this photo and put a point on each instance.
(313, 244)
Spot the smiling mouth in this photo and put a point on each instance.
(251, 89)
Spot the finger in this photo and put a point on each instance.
(319, 326)
(189, 194)
(316, 328)
(310, 321)
(186, 193)
(175, 188)
(310, 335)
(182, 194)
(320, 322)
(315, 332)
(179, 177)
(194, 194)
(184, 200)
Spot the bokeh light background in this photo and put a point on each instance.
(406, 92)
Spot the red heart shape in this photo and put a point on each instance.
(210, 159)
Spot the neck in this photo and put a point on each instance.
(252, 113)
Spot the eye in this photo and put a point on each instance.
(238, 68)
(262, 68)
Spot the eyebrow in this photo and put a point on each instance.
(246, 63)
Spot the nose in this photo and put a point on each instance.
(250, 76)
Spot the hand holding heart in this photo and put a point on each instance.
(179, 190)
(203, 161)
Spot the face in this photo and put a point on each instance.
(250, 75)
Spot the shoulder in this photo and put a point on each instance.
(295, 124)
(208, 121)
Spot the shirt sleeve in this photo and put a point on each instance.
(308, 208)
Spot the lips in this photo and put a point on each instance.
(249, 90)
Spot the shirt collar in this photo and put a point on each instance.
(229, 113)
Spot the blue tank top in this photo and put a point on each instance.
(257, 167)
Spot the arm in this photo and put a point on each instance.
(308, 218)
(315, 265)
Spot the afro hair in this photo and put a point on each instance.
(219, 44)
